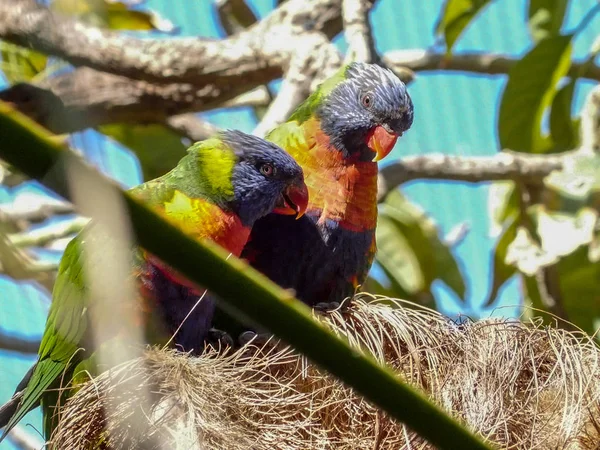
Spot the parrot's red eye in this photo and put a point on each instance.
(267, 170)
(367, 100)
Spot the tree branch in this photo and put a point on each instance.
(23, 440)
(355, 16)
(43, 236)
(18, 344)
(33, 211)
(313, 62)
(506, 165)
(191, 127)
(419, 60)
(254, 56)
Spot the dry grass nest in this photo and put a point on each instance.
(520, 386)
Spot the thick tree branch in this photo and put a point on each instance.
(87, 98)
(506, 165)
(355, 16)
(254, 56)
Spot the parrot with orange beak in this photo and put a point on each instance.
(216, 192)
(337, 136)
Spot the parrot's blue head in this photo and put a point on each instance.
(366, 110)
(264, 178)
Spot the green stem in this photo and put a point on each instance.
(27, 146)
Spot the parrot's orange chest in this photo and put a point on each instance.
(202, 219)
(343, 189)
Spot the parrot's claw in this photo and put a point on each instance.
(327, 307)
(257, 339)
(219, 339)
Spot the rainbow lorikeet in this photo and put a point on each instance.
(216, 192)
(351, 121)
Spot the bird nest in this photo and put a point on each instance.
(520, 386)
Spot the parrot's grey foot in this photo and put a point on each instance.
(327, 307)
(257, 339)
(219, 339)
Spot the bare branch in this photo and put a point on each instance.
(18, 265)
(33, 211)
(259, 96)
(23, 440)
(314, 61)
(191, 127)
(43, 236)
(420, 60)
(18, 344)
(506, 165)
(355, 16)
(254, 56)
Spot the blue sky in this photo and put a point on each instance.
(454, 114)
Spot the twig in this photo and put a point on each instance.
(505, 165)
(47, 234)
(18, 265)
(18, 344)
(31, 211)
(420, 60)
(355, 15)
(191, 127)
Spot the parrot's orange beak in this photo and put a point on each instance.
(294, 200)
(382, 141)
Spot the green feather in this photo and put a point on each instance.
(308, 108)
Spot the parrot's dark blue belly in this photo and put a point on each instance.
(317, 261)
(175, 303)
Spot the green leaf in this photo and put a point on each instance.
(21, 64)
(158, 148)
(114, 15)
(118, 17)
(580, 289)
(563, 129)
(397, 258)
(530, 89)
(501, 270)
(456, 16)
(235, 15)
(373, 286)
(546, 18)
(434, 259)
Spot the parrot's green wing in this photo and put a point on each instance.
(65, 328)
